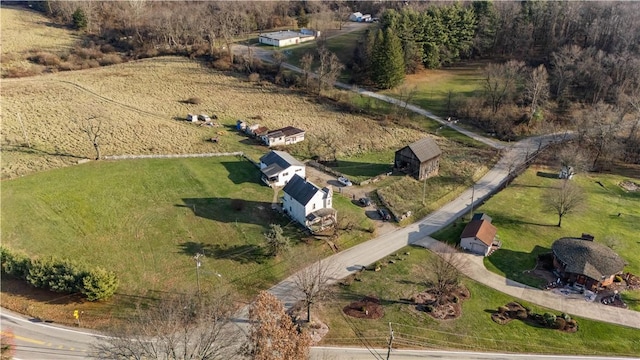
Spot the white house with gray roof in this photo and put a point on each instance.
(278, 167)
(309, 205)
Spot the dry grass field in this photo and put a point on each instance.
(139, 104)
(25, 31)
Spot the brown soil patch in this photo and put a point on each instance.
(367, 308)
(450, 308)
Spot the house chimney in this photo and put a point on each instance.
(587, 237)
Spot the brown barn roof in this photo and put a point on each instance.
(481, 229)
(425, 149)
(587, 258)
(286, 131)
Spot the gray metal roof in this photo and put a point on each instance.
(587, 258)
(278, 161)
(286, 131)
(300, 189)
(425, 149)
(282, 35)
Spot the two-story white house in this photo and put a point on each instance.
(309, 205)
(278, 167)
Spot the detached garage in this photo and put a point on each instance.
(287, 37)
(478, 237)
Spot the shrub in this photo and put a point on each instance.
(560, 323)
(254, 77)
(87, 52)
(79, 19)
(16, 265)
(549, 319)
(428, 308)
(503, 309)
(45, 58)
(58, 276)
(107, 48)
(110, 59)
(7, 344)
(18, 72)
(99, 284)
(521, 314)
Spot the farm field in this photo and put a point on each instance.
(141, 103)
(526, 229)
(147, 227)
(412, 328)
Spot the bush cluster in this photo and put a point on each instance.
(60, 275)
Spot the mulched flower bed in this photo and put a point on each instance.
(447, 309)
(514, 310)
(367, 308)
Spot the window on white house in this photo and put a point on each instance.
(298, 170)
(314, 206)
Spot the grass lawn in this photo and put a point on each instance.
(145, 219)
(526, 229)
(411, 328)
(441, 90)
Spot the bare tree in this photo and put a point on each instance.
(598, 128)
(179, 327)
(406, 94)
(501, 82)
(536, 89)
(273, 333)
(92, 127)
(564, 199)
(443, 274)
(329, 68)
(306, 62)
(312, 282)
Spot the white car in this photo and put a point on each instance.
(344, 181)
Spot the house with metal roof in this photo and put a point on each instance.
(287, 37)
(278, 167)
(585, 263)
(285, 136)
(308, 204)
(420, 159)
(479, 237)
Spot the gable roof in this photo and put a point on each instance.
(481, 216)
(587, 258)
(300, 189)
(425, 149)
(286, 131)
(277, 161)
(481, 229)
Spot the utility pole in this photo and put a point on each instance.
(390, 340)
(473, 192)
(198, 264)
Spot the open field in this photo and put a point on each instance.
(473, 331)
(139, 103)
(440, 90)
(24, 31)
(146, 227)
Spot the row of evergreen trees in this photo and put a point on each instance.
(59, 275)
(409, 40)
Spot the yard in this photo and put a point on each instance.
(526, 229)
(473, 331)
(146, 219)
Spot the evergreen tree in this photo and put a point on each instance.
(387, 64)
(79, 19)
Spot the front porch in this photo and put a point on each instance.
(321, 219)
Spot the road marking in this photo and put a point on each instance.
(33, 341)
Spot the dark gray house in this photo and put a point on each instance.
(420, 159)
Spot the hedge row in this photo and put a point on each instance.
(61, 276)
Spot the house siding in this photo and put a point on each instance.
(405, 158)
(474, 245)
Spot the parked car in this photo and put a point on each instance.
(364, 201)
(384, 214)
(344, 181)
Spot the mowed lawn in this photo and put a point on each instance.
(146, 219)
(473, 331)
(527, 229)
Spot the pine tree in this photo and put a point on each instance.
(388, 60)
